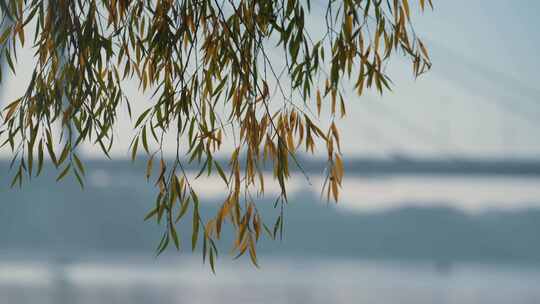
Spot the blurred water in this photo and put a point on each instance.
(186, 280)
(408, 239)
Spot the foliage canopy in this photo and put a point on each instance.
(250, 70)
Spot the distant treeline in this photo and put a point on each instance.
(60, 219)
(398, 165)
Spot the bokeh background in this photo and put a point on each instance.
(440, 204)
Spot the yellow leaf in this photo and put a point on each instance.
(319, 102)
(423, 49)
(11, 108)
(406, 8)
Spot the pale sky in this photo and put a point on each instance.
(481, 98)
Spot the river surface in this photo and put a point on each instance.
(279, 280)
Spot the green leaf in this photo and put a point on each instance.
(142, 116)
(195, 232)
(79, 178)
(175, 237)
(134, 149)
(17, 177)
(40, 157)
(212, 262)
(50, 149)
(145, 140)
(64, 172)
(79, 164)
(221, 173)
(163, 244)
(151, 214)
(183, 210)
(5, 35)
(64, 154)
(10, 62)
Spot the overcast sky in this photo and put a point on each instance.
(482, 96)
(480, 99)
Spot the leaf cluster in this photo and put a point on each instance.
(247, 70)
